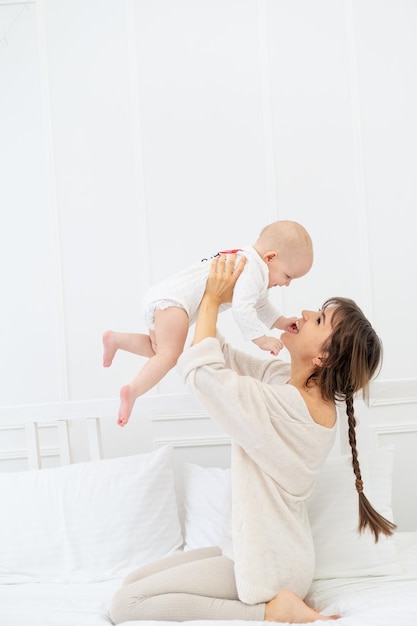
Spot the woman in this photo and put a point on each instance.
(281, 418)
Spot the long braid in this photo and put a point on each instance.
(368, 516)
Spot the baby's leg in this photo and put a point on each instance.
(202, 588)
(171, 329)
(137, 343)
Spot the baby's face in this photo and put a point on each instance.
(283, 269)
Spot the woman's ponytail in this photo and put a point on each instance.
(368, 516)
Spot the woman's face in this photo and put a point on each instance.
(309, 333)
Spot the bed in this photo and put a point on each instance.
(69, 533)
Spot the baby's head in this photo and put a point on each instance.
(287, 249)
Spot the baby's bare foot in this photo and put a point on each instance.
(288, 607)
(110, 348)
(127, 400)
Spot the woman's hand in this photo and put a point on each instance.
(219, 289)
(223, 276)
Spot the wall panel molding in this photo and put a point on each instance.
(377, 432)
(393, 392)
(266, 100)
(358, 154)
(52, 195)
(183, 415)
(33, 451)
(192, 442)
(18, 454)
(403, 439)
(137, 142)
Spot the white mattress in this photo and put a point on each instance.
(366, 601)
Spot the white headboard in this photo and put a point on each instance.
(39, 436)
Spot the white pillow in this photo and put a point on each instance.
(334, 517)
(89, 521)
(332, 508)
(206, 503)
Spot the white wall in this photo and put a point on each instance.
(140, 135)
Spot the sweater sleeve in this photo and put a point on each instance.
(267, 370)
(253, 413)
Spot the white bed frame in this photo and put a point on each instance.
(62, 448)
(36, 436)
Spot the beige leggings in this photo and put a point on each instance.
(192, 585)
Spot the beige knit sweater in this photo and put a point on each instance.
(277, 451)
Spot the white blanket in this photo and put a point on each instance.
(362, 601)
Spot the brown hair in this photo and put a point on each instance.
(353, 356)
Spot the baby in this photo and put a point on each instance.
(282, 252)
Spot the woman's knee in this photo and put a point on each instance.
(120, 607)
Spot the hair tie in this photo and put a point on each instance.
(359, 485)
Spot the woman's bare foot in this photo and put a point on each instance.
(288, 607)
(127, 400)
(110, 348)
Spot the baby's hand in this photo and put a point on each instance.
(271, 344)
(286, 323)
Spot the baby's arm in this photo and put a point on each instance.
(286, 323)
(253, 312)
(271, 344)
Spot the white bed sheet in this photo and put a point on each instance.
(41, 604)
(367, 601)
